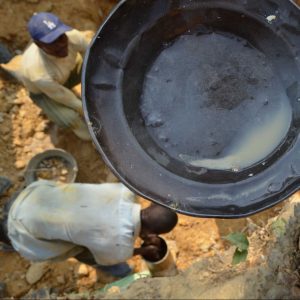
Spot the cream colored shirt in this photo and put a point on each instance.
(43, 73)
(51, 221)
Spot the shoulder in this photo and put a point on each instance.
(31, 52)
(75, 36)
(79, 39)
(33, 64)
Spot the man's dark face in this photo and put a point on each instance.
(58, 48)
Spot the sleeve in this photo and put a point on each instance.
(59, 93)
(80, 40)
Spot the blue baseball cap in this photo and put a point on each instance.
(46, 27)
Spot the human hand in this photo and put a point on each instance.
(152, 239)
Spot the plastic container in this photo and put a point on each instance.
(164, 267)
(66, 158)
(180, 99)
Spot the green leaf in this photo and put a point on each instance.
(239, 256)
(278, 227)
(239, 240)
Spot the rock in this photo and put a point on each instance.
(3, 292)
(20, 101)
(41, 127)
(27, 130)
(61, 279)
(113, 290)
(17, 142)
(18, 289)
(39, 135)
(36, 271)
(20, 164)
(82, 270)
(27, 149)
(1, 117)
(22, 112)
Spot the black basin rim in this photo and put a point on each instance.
(213, 211)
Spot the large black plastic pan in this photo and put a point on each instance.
(195, 105)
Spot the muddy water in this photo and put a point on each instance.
(253, 143)
(213, 101)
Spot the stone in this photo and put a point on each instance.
(20, 164)
(41, 127)
(18, 289)
(82, 270)
(36, 271)
(114, 290)
(18, 142)
(22, 113)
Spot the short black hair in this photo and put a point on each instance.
(158, 219)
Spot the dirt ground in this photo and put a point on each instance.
(270, 272)
(24, 132)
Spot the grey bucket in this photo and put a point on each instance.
(166, 266)
(71, 164)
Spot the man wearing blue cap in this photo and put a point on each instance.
(51, 66)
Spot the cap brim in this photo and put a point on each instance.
(55, 34)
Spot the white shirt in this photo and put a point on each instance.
(45, 74)
(51, 221)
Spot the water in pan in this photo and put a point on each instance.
(213, 101)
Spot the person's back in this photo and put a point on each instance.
(103, 218)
